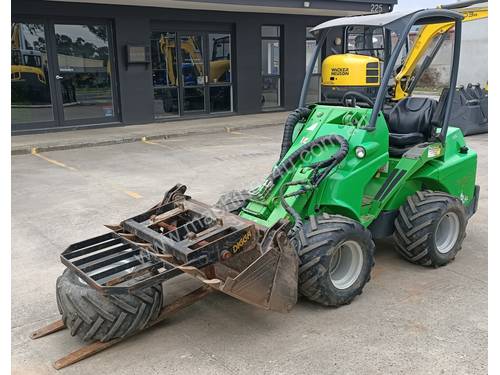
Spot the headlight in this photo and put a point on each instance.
(360, 152)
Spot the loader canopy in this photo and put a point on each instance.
(399, 24)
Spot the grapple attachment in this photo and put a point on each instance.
(255, 264)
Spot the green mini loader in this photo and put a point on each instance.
(346, 175)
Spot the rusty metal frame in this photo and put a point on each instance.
(146, 249)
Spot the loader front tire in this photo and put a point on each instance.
(336, 259)
(233, 201)
(93, 316)
(430, 228)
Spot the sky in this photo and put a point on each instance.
(420, 4)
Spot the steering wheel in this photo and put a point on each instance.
(353, 95)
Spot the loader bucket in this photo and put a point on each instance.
(268, 277)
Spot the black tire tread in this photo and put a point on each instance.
(93, 316)
(414, 225)
(316, 239)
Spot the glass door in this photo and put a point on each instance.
(165, 78)
(84, 73)
(219, 76)
(193, 75)
(31, 94)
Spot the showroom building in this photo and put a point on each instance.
(119, 62)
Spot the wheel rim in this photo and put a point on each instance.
(447, 232)
(346, 265)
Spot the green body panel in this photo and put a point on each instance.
(361, 188)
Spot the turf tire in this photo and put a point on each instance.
(92, 316)
(318, 242)
(416, 227)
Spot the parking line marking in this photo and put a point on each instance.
(131, 194)
(145, 140)
(34, 152)
(170, 148)
(229, 131)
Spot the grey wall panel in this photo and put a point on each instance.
(135, 82)
(248, 80)
(294, 55)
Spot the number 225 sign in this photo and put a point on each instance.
(376, 8)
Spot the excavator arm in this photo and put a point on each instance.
(425, 37)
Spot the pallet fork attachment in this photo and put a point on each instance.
(227, 253)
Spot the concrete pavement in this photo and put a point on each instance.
(409, 319)
(70, 139)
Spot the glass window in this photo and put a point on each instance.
(30, 89)
(220, 58)
(270, 31)
(310, 46)
(365, 40)
(314, 89)
(164, 70)
(194, 99)
(85, 69)
(220, 91)
(193, 70)
(164, 59)
(270, 92)
(309, 35)
(166, 102)
(270, 57)
(271, 66)
(220, 98)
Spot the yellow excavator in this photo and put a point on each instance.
(28, 79)
(219, 63)
(193, 69)
(360, 68)
(432, 33)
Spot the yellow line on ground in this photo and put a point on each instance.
(132, 194)
(170, 148)
(228, 130)
(145, 140)
(34, 152)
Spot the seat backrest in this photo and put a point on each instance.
(412, 115)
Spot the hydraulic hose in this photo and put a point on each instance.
(300, 114)
(301, 152)
(325, 166)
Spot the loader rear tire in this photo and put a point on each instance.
(430, 228)
(336, 259)
(92, 316)
(233, 201)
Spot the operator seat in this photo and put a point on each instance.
(410, 123)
